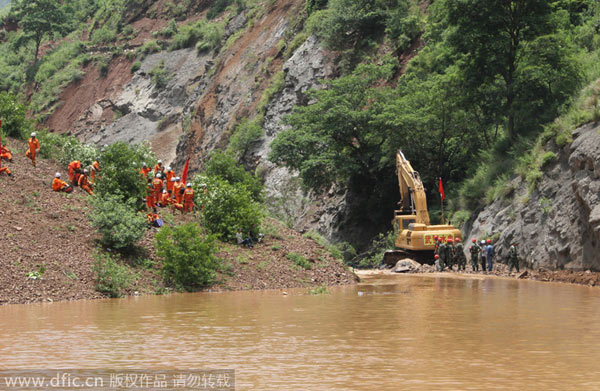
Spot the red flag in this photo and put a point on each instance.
(185, 171)
(441, 189)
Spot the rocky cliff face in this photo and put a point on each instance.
(558, 224)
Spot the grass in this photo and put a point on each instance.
(299, 260)
(318, 290)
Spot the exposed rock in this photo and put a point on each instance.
(406, 265)
(557, 225)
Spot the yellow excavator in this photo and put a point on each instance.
(415, 237)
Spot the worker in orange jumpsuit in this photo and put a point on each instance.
(74, 171)
(150, 195)
(6, 170)
(5, 153)
(159, 168)
(178, 191)
(157, 186)
(34, 147)
(169, 176)
(145, 170)
(188, 198)
(165, 199)
(83, 182)
(60, 185)
(94, 169)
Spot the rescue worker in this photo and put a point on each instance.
(154, 219)
(188, 198)
(450, 261)
(74, 171)
(475, 250)
(157, 186)
(461, 259)
(489, 253)
(513, 259)
(170, 179)
(178, 189)
(436, 245)
(145, 170)
(6, 170)
(165, 199)
(438, 263)
(60, 185)
(150, 195)
(83, 182)
(5, 153)
(159, 168)
(34, 147)
(442, 252)
(483, 258)
(95, 168)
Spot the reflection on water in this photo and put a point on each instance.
(388, 333)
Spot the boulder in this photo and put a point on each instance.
(406, 265)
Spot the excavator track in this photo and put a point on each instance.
(391, 257)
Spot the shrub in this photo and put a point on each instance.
(548, 158)
(159, 75)
(104, 34)
(120, 164)
(12, 114)
(150, 47)
(224, 166)
(276, 85)
(118, 221)
(104, 66)
(204, 35)
(170, 30)
(245, 135)
(135, 67)
(188, 255)
(227, 207)
(299, 260)
(73, 149)
(112, 278)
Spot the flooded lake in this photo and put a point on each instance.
(387, 333)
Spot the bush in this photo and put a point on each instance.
(112, 278)
(159, 75)
(224, 166)
(548, 158)
(120, 165)
(135, 67)
(12, 114)
(73, 149)
(299, 260)
(204, 35)
(150, 47)
(104, 34)
(188, 255)
(227, 207)
(118, 221)
(245, 135)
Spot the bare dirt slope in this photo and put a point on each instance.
(42, 229)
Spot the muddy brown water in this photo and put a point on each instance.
(387, 333)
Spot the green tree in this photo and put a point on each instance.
(12, 115)
(494, 36)
(188, 255)
(39, 19)
(224, 165)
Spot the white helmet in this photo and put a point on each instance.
(159, 161)
(85, 171)
(57, 175)
(144, 164)
(189, 184)
(33, 134)
(173, 179)
(177, 179)
(164, 192)
(158, 175)
(168, 168)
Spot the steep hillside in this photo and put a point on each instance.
(557, 223)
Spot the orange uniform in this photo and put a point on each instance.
(157, 186)
(95, 169)
(74, 168)
(145, 170)
(5, 153)
(188, 199)
(159, 168)
(59, 185)
(6, 170)
(34, 146)
(150, 196)
(170, 175)
(177, 188)
(165, 199)
(85, 184)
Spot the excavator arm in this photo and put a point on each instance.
(412, 192)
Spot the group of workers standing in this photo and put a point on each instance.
(5, 153)
(451, 252)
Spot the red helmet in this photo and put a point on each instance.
(489, 240)
(435, 236)
(457, 240)
(436, 256)
(474, 240)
